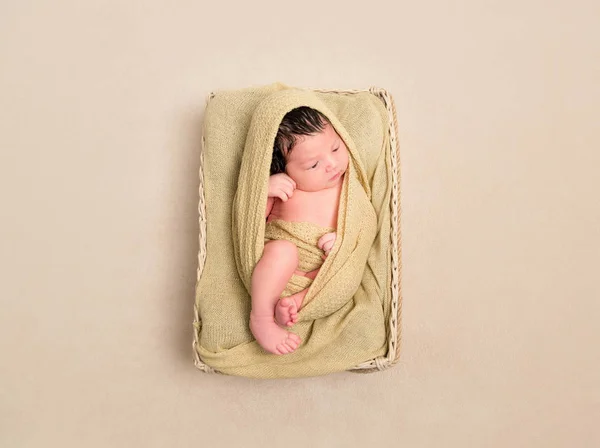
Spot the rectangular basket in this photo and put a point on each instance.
(393, 325)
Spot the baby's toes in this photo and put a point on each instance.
(293, 345)
(282, 311)
(291, 349)
(292, 321)
(282, 349)
(294, 337)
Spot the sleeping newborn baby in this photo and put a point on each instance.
(307, 170)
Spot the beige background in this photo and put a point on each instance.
(101, 106)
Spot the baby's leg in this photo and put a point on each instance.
(270, 276)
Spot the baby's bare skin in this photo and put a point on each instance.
(309, 191)
(319, 208)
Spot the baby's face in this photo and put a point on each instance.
(318, 161)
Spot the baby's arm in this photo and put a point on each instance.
(270, 202)
(281, 186)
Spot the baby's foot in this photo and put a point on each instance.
(271, 336)
(286, 312)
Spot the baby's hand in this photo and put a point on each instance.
(326, 242)
(281, 186)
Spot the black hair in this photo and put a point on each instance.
(300, 121)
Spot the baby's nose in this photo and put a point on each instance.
(331, 165)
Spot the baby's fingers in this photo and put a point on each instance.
(290, 181)
(284, 192)
(289, 190)
(324, 238)
(328, 246)
(328, 237)
(321, 242)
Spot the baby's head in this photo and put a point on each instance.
(309, 150)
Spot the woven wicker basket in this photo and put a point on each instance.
(393, 326)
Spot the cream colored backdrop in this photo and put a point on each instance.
(498, 103)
